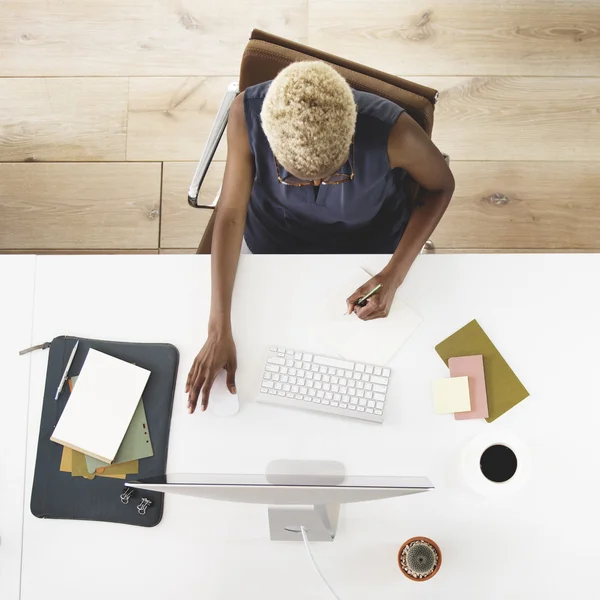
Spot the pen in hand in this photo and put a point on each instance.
(363, 300)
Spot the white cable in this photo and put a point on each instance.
(315, 565)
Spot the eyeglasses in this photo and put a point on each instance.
(331, 180)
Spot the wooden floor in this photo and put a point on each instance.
(105, 106)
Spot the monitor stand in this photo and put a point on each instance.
(319, 520)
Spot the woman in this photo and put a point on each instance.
(316, 167)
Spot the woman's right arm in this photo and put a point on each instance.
(218, 351)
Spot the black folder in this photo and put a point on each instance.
(58, 495)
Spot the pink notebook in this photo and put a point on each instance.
(471, 367)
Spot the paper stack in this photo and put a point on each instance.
(103, 428)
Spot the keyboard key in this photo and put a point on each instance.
(369, 395)
(360, 385)
(334, 404)
(362, 402)
(295, 389)
(292, 380)
(267, 375)
(360, 408)
(352, 392)
(273, 349)
(309, 375)
(369, 410)
(371, 404)
(286, 387)
(335, 380)
(366, 378)
(379, 397)
(360, 393)
(282, 394)
(297, 364)
(353, 401)
(328, 395)
(273, 360)
(369, 369)
(351, 383)
(273, 392)
(352, 407)
(312, 392)
(337, 397)
(267, 384)
(377, 370)
(283, 370)
(307, 399)
(324, 401)
(323, 370)
(326, 378)
(380, 388)
(289, 362)
(335, 388)
(284, 378)
(281, 350)
(333, 362)
(320, 394)
(331, 371)
(379, 405)
(278, 386)
(298, 355)
(306, 366)
(289, 352)
(314, 368)
(339, 372)
(300, 373)
(310, 383)
(360, 368)
(307, 358)
(348, 374)
(292, 371)
(275, 377)
(343, 381)
(317, 400)
(346, 398)
(326, 387)
(304, 391)
(317, 377)
(378, 412)
(380, 380)
(298, 397)
(289, 395)
(343, 389)
(318, 385)
(281, 354)
(263, 390)
(356, 375)
(272, 368)
(369, 386)
(386, 372)
(343, 405)
(300, 381)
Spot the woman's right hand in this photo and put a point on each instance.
(217, 353)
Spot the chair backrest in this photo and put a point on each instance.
(266, 55)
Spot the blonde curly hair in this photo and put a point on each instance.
(309, 117)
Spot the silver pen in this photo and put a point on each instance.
(66, 373)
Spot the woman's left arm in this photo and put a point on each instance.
(410, 148)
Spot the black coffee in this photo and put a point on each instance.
(498, 463)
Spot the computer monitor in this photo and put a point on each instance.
(299, 493)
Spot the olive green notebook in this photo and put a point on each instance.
(504, 390)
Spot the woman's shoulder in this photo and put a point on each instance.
(374, 107)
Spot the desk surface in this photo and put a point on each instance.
(16, 305)
(540, 310)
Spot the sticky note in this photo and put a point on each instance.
(471, 367)
(503, 388)
(451, 395)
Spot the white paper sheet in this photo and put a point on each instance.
(101, 406)
(374, 342)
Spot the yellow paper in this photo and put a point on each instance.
(74, 462)
(451, 395)
(66, 461)
(126, 468)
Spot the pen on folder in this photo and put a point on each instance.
(66, 372)
(362, 301)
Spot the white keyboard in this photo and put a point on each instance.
(329, 385)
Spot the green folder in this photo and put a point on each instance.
(136, 443)
(504, 390)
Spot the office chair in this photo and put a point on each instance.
(266, 55)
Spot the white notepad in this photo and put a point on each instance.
(374, 342)
(101, 406)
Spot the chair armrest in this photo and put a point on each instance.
(210, 148)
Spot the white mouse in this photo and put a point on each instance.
(221, 401)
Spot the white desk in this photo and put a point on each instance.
(17, 275)
(541, 311)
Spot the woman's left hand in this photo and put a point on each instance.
(379, 304)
